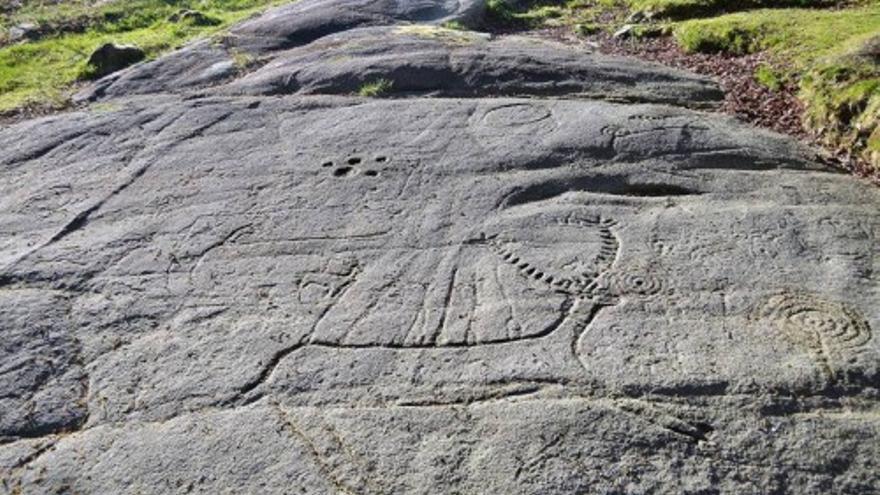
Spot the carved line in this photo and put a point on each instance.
(828, 330)
(531, 114)
(580, 283)
(651, 118)
(590, 287)
(693, 431)
(324, 464)
(598, 284)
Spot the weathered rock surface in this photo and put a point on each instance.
(443, 62)
(302, 22)
(417, 59)
(326, 294)
(209, 62)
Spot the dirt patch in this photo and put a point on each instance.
(778, 109)
(32, 111)
(745, 98)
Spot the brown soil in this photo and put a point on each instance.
(29, 112)
(745, 98)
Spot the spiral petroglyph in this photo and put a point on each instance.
(832, 332)
(618, 284)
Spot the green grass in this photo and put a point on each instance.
(377, 88)
(587, 28)
(42, 72)
(843, 104)
(444, 34)
(684, 9)
(807, 44)
(455, 25)
(537, 13)
(821, 48)
(769, 77)
(801, 36)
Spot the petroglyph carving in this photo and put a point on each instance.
(452, 296)
(650, 118)
(499, 286)
(328, 283)
(564, 264)
(615, 131)
(832, 332)
(337, 463)
(607, 288)
(355, 165)
(517, 114)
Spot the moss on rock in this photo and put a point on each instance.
(834, 53)
(687, 9)
(842, 98)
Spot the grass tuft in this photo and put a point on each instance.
(444, 34)
(769, 77)
(801, 36)
(379, 87)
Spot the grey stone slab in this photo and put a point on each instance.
(419, 59)
(170, 457)
(408, 59)
(259, 287)
(528, 444)
(209, 62)
(42, 381)
(212, 253)
(302, 22)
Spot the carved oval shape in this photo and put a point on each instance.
(568, 252)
